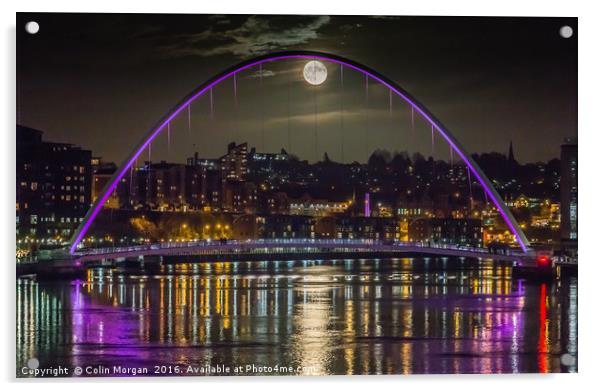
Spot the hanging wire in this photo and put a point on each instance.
(211, 101)
(168, 137)
(131, 194)
(315, 93)
(148, 173)
(235, 90)
(432, 141)
(469, 187)
(235, 84)
(262, 107)
(288, 114)
(342, 119)
(131, 178)
(366, 150)
(189, 123)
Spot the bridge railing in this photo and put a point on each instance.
(216, 244)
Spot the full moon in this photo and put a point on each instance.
(315, 73)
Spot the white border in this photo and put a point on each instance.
(590, 68)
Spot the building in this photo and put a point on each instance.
(359, 227)
(102, 172)
(239, 197)
(288, 227)
(415, 209)
(308, 206)
(209, 164)
(233, 165)
(53, 189)
(568, 190)
(248, 226)
(268, 157)
(463, 232)
(162, 186)
(274, 203)
(264, 165)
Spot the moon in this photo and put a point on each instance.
(315, 73)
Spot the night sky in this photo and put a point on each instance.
(103, 80)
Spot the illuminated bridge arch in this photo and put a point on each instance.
(309, 55)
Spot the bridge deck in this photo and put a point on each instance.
(283, 246)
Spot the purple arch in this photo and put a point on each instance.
(391, 85)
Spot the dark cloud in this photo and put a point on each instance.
(263, 73)
(257, 35)
(349, 27)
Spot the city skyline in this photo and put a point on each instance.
(516, 112)
(385, 190)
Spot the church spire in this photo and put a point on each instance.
(511, 153)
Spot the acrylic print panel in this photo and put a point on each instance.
(257, 195)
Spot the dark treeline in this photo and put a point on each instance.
(391, 176)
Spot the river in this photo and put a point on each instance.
(387, 316)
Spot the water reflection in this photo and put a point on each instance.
(335, 317)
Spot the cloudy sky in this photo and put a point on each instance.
(103, 80)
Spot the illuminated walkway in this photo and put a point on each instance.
(285, 247)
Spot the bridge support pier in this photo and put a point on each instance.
(60, 269)
(148, 262)
(535, 273)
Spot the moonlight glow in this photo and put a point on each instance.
(315, 72)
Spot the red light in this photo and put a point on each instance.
(543, 261)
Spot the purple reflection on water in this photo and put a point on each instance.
(348, 316)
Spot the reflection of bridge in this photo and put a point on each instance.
(307, 248)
